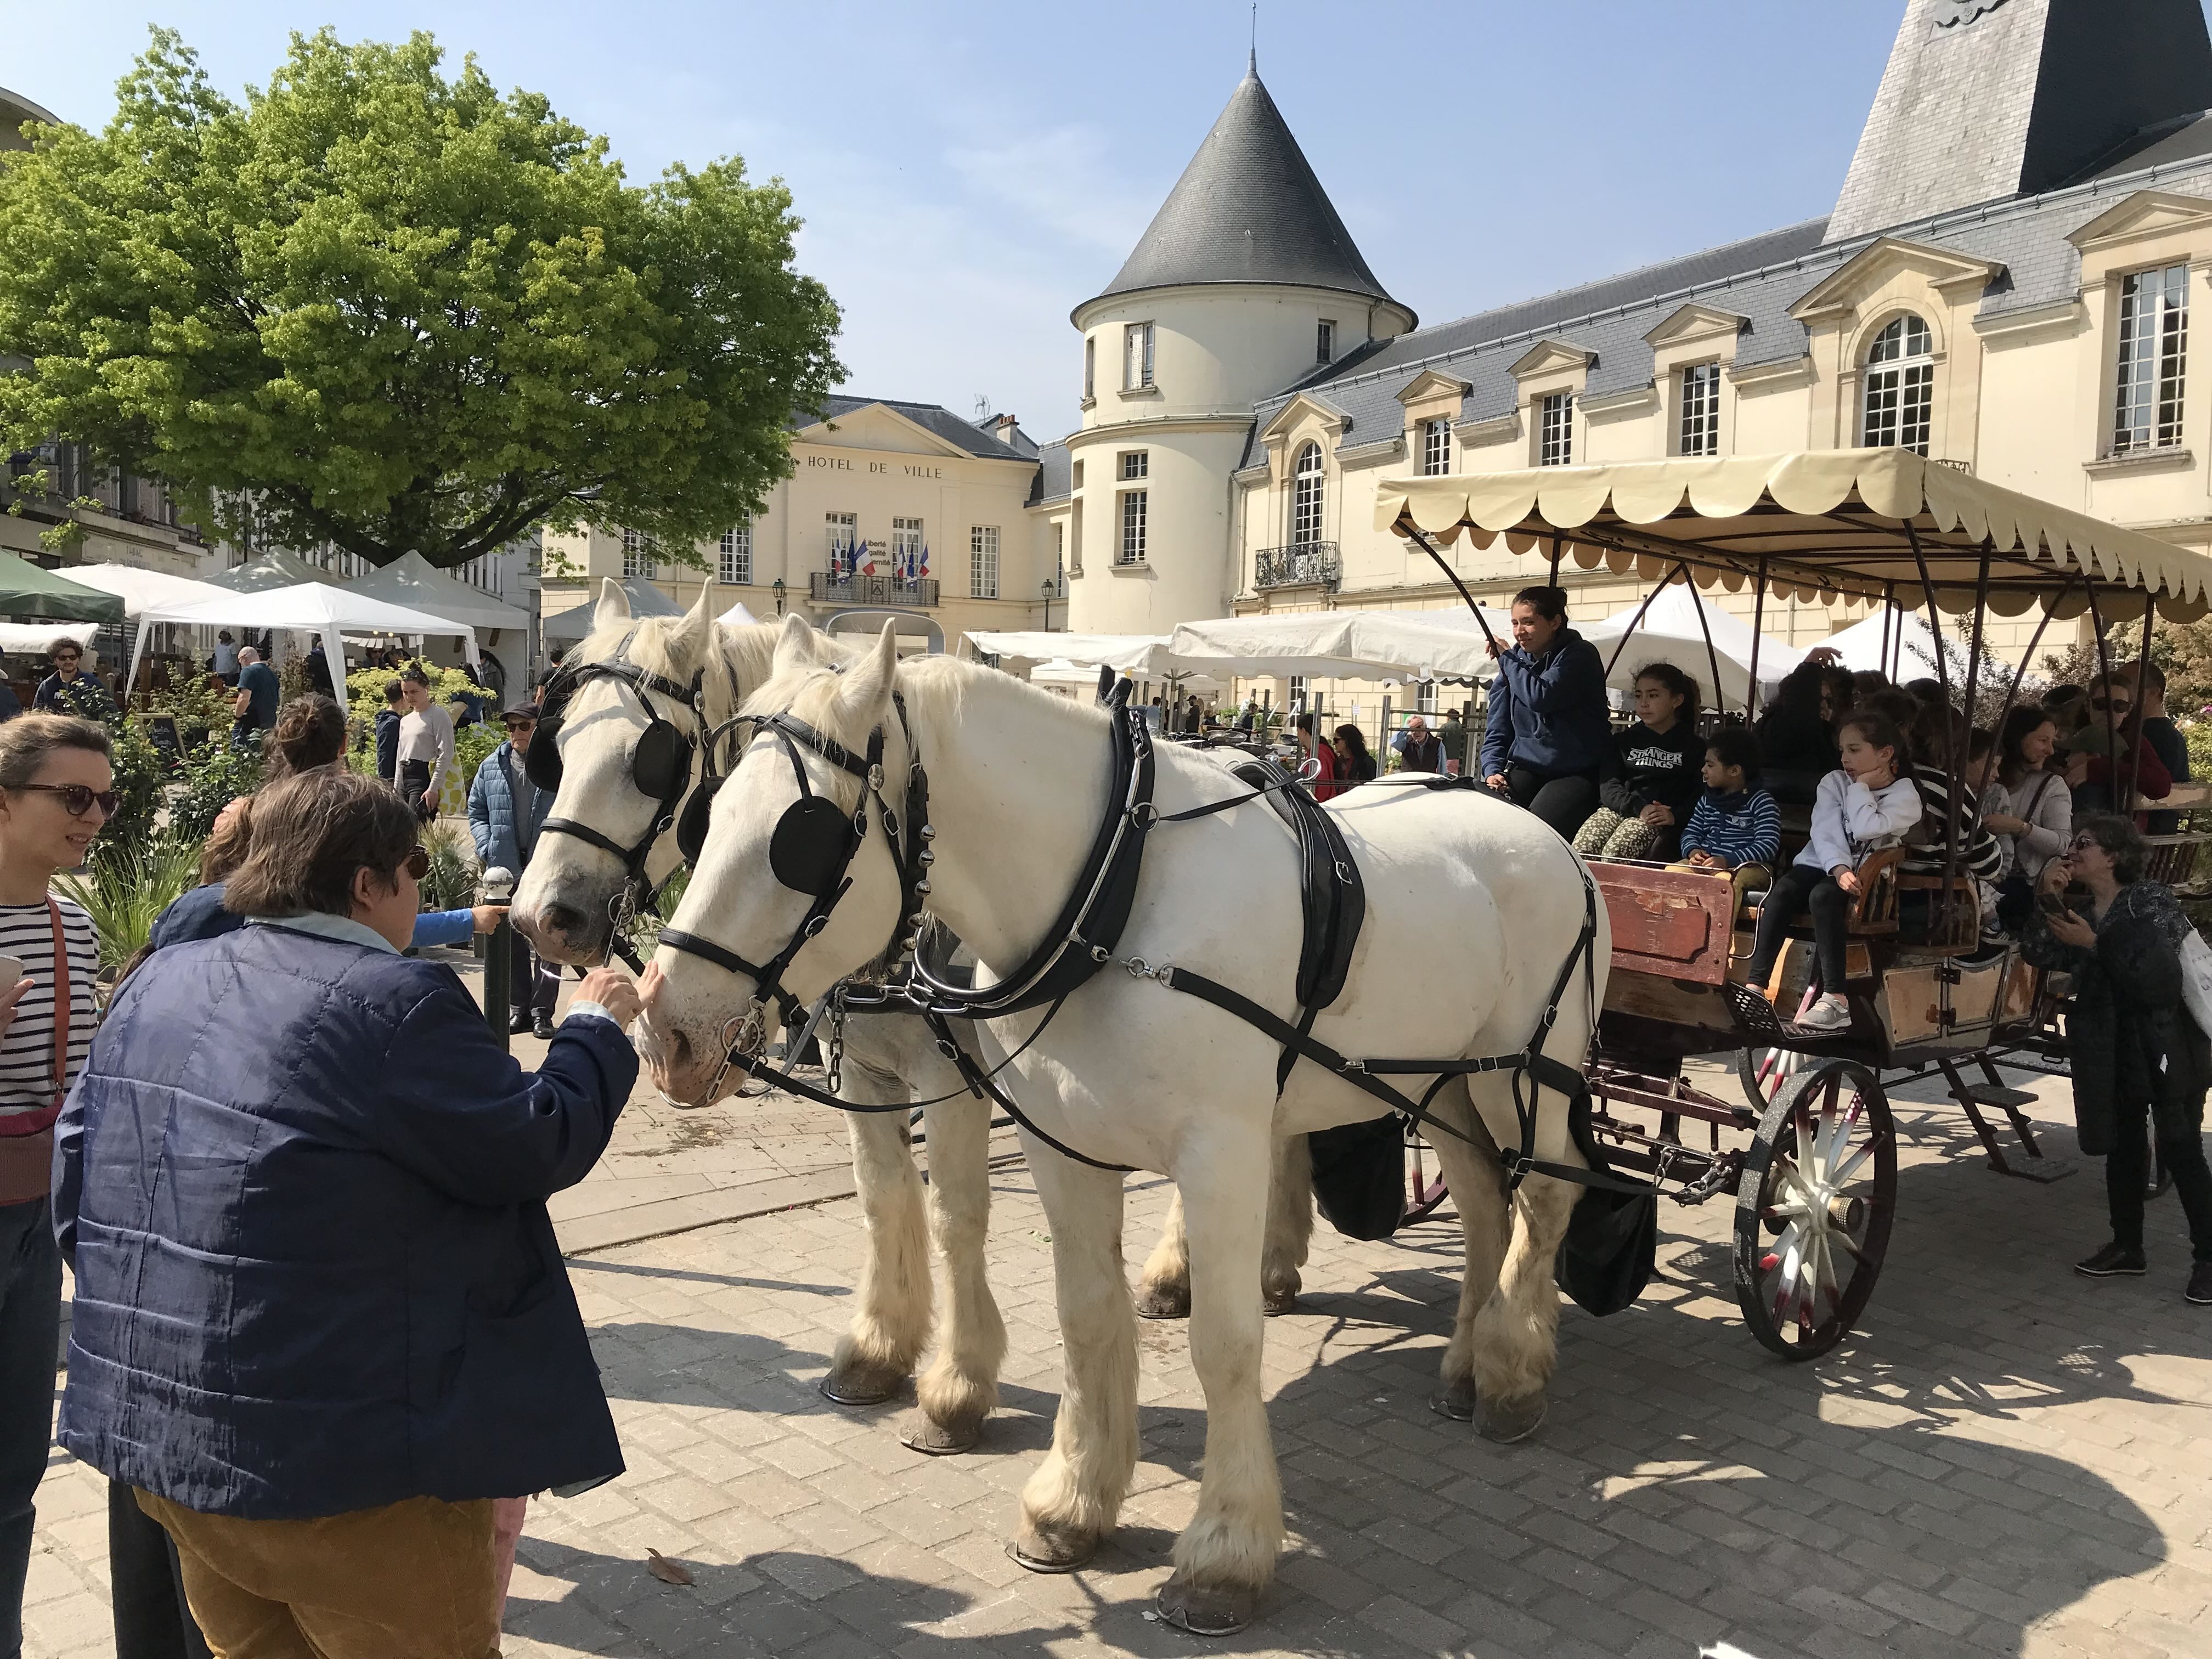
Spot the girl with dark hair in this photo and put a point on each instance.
(1797, 735)
(2140, 1063)
(1355, 762)
(1867, 803)
(1650, 781)
(1549, 731)
(2027, 808)
(1306, 726)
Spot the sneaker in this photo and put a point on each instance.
(2200, 1284)
(2114, 1260)
(1825, 1015)
(542, 1027)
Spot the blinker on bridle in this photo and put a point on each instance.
(660, 767)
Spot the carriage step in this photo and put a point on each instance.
(1996, 1094)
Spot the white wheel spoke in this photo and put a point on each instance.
(1853, 1165)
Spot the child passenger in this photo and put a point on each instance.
(1649, 781)
(1866, 805)
(1734, 827)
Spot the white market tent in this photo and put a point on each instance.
(1909, 655)
(568, 627)
(1671, 630)
(1350, 645)
(275, 568)
(139, 589)
(1140, 656)
(737, 614)
(412, 581)
(32, 639)
(308, 608)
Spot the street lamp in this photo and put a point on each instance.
(1045, 587)
(776, 588)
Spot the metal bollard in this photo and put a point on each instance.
(497, 887)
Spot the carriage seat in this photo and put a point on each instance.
(1874, 908)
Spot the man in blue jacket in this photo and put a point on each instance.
(321, 1321)
(1548, 732)
(505, 812)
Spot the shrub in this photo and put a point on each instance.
(214, 775)
(451, 881)
(127, 887)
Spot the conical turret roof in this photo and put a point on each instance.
(1248, 209)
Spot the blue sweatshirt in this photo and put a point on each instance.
(1743, 828)
(1548, 712)
(199, 914)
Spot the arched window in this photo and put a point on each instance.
(1308, 490)
(1900, 386)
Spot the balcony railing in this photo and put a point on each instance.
(918, 594)
(1307, 565)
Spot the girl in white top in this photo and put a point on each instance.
(1867, 805)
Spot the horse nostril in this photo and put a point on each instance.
(679, 1048)
(561, 920)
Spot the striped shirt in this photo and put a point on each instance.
(27, 1050)
(1740, 828)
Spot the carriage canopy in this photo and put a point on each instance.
(1825, 525)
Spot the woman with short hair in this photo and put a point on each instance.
(2140, 1064)
(56, 793)
(315, 1144)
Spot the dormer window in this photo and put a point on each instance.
(1701, 410)
(1900, 387)
(2154, 336)
(1555, 429)
(1308, 494)
(1435, 448)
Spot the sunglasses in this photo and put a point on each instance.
(77, 800)
(2086, 844)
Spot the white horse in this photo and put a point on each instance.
(565, 907)
(1473, 907)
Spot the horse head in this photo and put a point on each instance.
(798, 884)
(604, 831)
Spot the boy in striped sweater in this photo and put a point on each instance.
(1734, 826)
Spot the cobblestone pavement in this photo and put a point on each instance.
(2008, 1460)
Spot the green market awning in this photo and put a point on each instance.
(30, 590)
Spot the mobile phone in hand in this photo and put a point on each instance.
(2052, 904)
(11, 973)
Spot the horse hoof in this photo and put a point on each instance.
(1051, 1549)
(1164, 1301)
(861, 1384)
(1455, 1401)
(1278, 1299)
(933, 1439)
(1507, 1421)
(1204, 1611)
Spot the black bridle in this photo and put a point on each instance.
(660, 767)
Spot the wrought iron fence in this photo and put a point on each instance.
(917, 593)
(1308, 564)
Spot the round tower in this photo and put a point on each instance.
(1247, 283)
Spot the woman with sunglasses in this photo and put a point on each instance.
(310, 1148)
(2140, 1064)
(56, 792)
(2112, 731)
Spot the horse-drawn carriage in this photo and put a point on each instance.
(1813, 1156)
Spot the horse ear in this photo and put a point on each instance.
(697, 631)
(614, 604)
(865, 694)
(794, 646)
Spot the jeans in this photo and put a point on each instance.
(147, 1585)
(2127, 1174)
(1803, 887)
(414, 784)
(531, 986)
(1563, 799)
(30, 1329)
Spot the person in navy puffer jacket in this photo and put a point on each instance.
(1549, 731)
(321, 1321)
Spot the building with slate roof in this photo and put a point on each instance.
(2005, 285)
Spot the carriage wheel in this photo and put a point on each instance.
(1813, 1208)
(1760, 1073)
(1424, 1191)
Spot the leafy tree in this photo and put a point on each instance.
(374, 308)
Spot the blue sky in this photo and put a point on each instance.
(968, 173)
